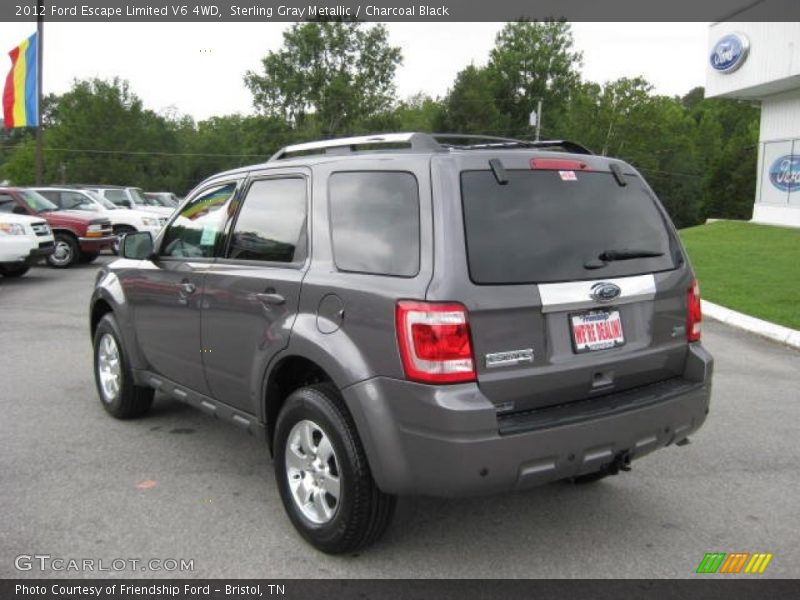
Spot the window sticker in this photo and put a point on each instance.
(568, 176)
(209, 236)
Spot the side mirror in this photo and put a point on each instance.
(126, 203)
(137, 245)
(19, 210)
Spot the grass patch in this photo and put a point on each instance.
(754, 269)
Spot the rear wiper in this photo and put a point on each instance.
(607, 256)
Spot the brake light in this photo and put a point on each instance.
(434, 342)
(558, 164)
(694, 314)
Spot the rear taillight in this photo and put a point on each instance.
(434, 342)
(694, 315)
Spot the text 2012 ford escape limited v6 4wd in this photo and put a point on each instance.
(414, 314)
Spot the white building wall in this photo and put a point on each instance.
(780, 116)
(772, 66)
(770, 75)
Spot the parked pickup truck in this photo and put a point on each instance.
(24, 241)
(123, 220)
(79, 236)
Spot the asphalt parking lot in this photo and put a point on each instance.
(179, 484)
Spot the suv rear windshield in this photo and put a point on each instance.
(548, 226)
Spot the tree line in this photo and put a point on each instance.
(337, 78)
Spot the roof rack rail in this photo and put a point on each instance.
(431, 142)
(416, 141)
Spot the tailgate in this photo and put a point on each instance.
(578, 284)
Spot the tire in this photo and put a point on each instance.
(362, 512)
(88, 257)
(119, 231)
(66, 252)
(122, 400)
(14, 271)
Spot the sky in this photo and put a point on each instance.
(198, 68)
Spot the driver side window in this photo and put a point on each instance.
(195, 231)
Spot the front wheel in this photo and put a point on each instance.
(66, 251)
(322, 473)
(112, 374)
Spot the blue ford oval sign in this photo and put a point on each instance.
(784, 173)
(729, 52)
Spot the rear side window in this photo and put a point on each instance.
(548, 226)
(272, 222)
(375, 222)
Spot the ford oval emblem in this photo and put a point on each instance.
(604, 291)
(729, 52)
(784, 173)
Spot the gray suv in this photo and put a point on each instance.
(414, 314)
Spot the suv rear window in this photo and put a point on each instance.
(375, 222)
(545, 226)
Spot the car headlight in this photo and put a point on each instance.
(95, 227)
(150, 222)
(12, 228)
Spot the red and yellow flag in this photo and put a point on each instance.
(20, 96)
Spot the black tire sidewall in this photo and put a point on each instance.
(306, 403)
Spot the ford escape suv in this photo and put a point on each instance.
(413, 314)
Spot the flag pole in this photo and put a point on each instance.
(39, 95)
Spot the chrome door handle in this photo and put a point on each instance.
(271, 298)
(187, 287)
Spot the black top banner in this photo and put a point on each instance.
(393, 589)
(398, 10)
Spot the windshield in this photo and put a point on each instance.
(138, 196)
(99, 199)
(36, 201)
(548, 226)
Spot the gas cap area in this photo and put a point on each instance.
(330, 313)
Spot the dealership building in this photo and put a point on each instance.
(760, 62)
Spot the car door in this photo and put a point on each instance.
(167, 291)
(253, 289)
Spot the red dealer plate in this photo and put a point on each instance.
(596, 330)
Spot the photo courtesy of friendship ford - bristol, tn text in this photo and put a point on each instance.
(399, 301)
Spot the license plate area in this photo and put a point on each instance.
(596, 330)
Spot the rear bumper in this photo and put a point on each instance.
(448, 440)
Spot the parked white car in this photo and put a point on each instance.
(123, 220)
(24, 241)
(130, 197)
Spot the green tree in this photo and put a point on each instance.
(471, 107)
(532, 60)
(328, 75)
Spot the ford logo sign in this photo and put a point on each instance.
(729, 52)
(604, 291)
(784, 173)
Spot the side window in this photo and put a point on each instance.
(195, 231)
(116, 196)
(7, 203)
(53, 196)
(73, 200)
(271, 225)
(375, 222)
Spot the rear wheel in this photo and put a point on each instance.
(66, 251)
(118, 394)
(13, 271)
(323, 476)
